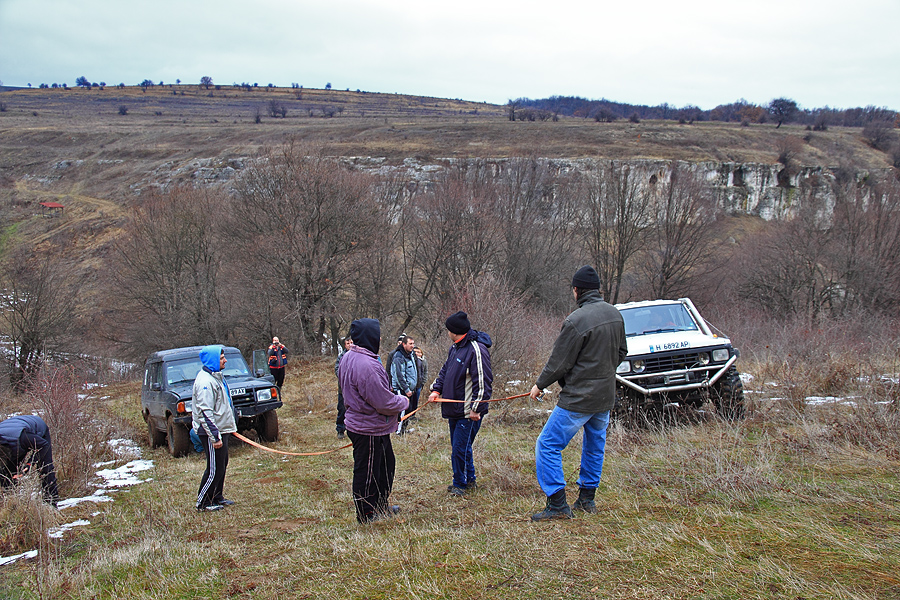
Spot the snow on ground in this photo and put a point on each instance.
(112, 480)
(5, 560)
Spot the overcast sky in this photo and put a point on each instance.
(705, 52)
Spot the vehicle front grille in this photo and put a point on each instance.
(243, 399)
(671, 362)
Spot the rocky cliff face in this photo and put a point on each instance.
(768, 191)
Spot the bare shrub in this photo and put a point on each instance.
(78, 437)
(123, 110)
(879, 134)
(25, 518)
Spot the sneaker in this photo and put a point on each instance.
(456, 491)
(341, 435)
(225, 502)
(210, 508)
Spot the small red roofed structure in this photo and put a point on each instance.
(51, 209)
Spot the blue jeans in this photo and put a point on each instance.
(559, 430)
(462, 434)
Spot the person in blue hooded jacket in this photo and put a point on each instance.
(466, 376)
(213, 420)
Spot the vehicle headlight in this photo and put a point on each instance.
(720, 354)
(624, 367)
(638, 366)
(703, 358)
(265, 394)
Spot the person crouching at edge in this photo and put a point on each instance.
(371, 417)
(466, 376)
(213, 420)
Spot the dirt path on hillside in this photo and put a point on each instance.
(78, 208)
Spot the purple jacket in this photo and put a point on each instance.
(372, 407)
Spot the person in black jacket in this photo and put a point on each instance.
(18, 437)
(467, 377)
(590, 346)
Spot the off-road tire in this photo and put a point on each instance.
(267, 426)
(179, 438)
(728, 395)
(155, 437)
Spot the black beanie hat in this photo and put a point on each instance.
(458, 323)
(586, 278)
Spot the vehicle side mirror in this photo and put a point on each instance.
(259, 373)
(155, 387)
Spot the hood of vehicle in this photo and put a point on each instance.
(244, 381)
(673, 341)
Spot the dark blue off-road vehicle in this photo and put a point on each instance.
(167, 394)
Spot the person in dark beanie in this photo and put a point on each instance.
(341, 409)
(465, 376)
(19, 436)
(590, 345)
(371, 416)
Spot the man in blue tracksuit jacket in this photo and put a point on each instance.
(466, 376)
(213, 420)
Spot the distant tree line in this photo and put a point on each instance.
(779, 110)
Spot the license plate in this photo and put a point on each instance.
(238, 391)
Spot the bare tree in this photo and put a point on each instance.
(533, 210)
(301, 218)
(785, 269)
(442, 241)
(37, 300)
(206, 81)
(615, 218)
(169, 263)
(866, 251)
(879, 134)
(680, 241)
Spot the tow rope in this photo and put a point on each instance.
(321, 452)
(261, 447)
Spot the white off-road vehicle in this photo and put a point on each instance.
(674, 358)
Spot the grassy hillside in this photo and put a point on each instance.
(791, 503)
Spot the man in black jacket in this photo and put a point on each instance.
(590, 346)
(18, 437)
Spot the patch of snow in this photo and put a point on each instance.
(57, 532)
(98, 496)
(6, 560)
(125, 475)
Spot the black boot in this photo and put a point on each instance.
(557, 508)
(585, 500)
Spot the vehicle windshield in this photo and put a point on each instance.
(657, 319)
(186, 369)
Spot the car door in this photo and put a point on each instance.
(155, 387)
(260, 365)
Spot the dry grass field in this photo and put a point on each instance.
(800, 500)
(790, 503)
